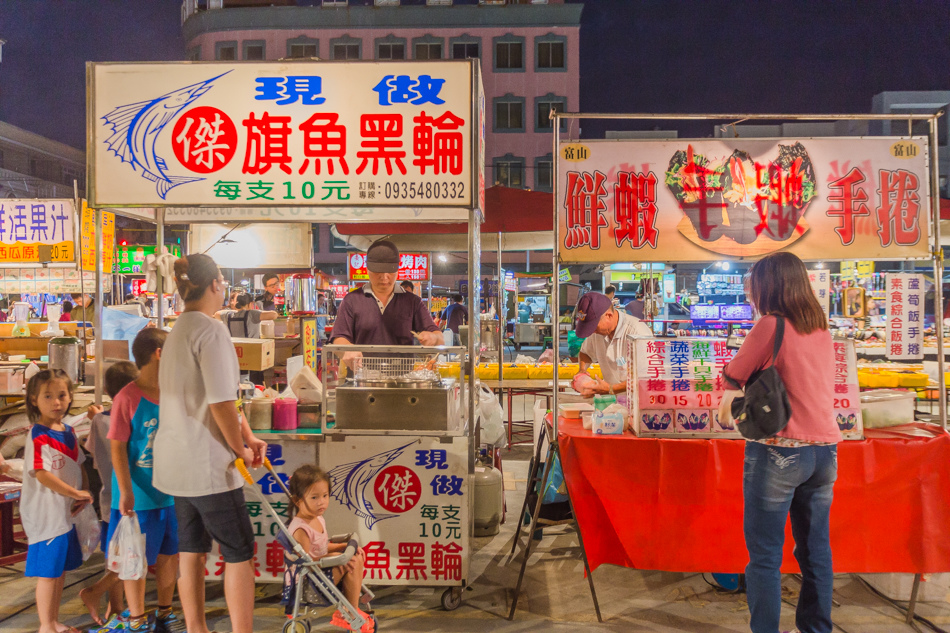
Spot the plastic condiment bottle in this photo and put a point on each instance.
(604, 400)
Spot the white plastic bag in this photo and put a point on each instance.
(489, 414)
(87, 529)
(127, 550)
(307, 387)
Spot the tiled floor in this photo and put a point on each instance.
(554, 596)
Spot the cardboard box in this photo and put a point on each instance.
(254, 354)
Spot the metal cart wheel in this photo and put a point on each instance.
(299, 625)
(452, 598)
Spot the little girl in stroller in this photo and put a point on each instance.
(309, 488)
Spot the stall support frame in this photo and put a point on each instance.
(936, 256)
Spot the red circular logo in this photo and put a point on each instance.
(397, 489)
(204, 139)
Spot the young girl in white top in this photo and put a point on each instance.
(310, 492)
(54, 491)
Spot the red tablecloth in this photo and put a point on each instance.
(676, 505)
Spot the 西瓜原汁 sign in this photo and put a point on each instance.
(412, 267)
(307, 134)
(37, 231)
(828, 198)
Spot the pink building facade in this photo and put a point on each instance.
(529, 54)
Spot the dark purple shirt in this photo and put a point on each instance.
(360, 322)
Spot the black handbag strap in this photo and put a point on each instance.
(779, 335)
(776, 346)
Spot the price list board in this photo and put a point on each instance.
(675, 386)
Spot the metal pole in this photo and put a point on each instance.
(77, 230)
(100, 343)
(555, 286)
(938, 269)
(474, 329)
(502, 325)
(159, 280)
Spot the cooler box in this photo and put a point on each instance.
(887, 407)
(254, 354)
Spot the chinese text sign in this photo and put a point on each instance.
(306, 134)
(829, 198)
(904, 298)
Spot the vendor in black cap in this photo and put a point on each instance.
(382, 313)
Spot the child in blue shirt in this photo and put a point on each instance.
(132, 431)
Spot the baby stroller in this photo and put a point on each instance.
(310, 585)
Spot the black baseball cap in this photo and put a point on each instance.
(382, 257)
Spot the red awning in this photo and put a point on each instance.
(506, 211)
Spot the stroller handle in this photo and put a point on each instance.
(242, 468)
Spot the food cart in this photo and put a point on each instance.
(318, 142)
(700, 201)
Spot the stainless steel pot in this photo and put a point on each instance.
(65, 353)
(300, 294)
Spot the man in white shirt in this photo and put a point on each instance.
(605, 329)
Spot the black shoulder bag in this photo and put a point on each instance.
(764, 409)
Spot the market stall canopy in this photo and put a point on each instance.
(524, 218)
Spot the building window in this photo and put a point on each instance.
(436, 3)
(550, 53)
(509, 114)
(544, 173)
(391, 48)
(1, 159)
(509, 171)
(509, 53)
(542, 108)
(465, 47)
(387, 3)
(346, 47)
(194, 53)
(225, 51)
(254, 50)
(432, 51)
(334, 3)
(427, 47)
(303, 47)
(464, 51)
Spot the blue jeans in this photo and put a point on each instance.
(778, 482)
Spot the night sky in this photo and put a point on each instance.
(651, 56)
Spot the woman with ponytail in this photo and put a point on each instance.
(200, 433)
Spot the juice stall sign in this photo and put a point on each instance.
(36, 231)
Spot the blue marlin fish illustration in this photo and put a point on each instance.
(135, 130)
(348, 484)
